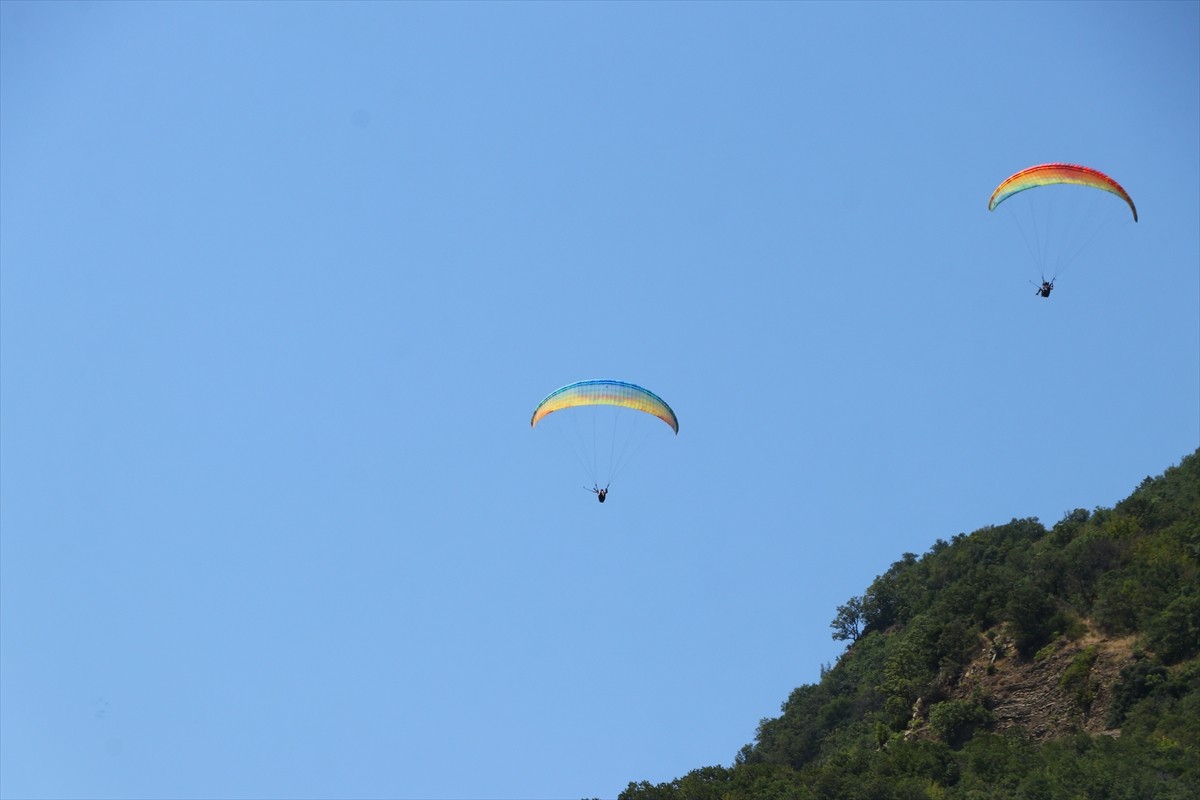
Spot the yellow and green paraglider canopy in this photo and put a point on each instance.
(605, 393)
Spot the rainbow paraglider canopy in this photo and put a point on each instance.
(1055, 174)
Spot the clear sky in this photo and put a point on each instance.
(281, 284)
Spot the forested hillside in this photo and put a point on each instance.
(1014, 662)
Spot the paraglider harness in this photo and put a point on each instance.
(600, 493)
(1046, 288)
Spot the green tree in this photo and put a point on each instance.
(848, 623)
(955, 721)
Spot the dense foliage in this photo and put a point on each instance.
(907, 711)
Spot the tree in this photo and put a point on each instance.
(848, 624)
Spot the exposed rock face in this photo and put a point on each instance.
(1033, 695)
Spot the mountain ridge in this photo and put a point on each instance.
(1016, 661)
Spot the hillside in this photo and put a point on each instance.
(1014, 662)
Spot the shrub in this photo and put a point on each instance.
(955, 721)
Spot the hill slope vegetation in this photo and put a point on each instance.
(1014, 662)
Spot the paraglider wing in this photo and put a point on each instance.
(606, 393)
(1051, 174)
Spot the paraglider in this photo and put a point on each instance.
(623, 397)
(1056, 236)
(605, 393)
(1058, 174)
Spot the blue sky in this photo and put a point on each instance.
(281, 284)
